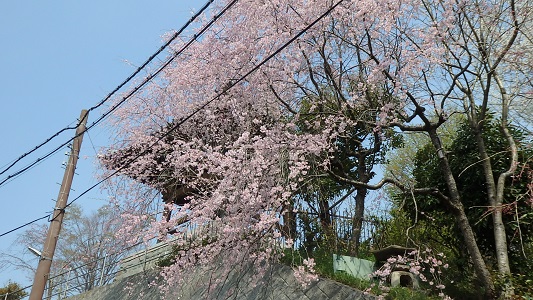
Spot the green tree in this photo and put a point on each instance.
(12, 291)
(467, 168)
(353, 155)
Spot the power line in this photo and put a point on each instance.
(114, 273)
(203, 106)
(183, 120)
(195, 37)
(139, 69)
(22, 226)
(131, 93)
(99, 259)
(96, 260)
(27, 168)
(143, 260)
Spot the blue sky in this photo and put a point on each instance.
(57, 58)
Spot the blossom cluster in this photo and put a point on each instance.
(424, 265)
(306, 273)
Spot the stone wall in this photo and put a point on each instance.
(279, 283)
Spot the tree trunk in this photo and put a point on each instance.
(325, 221)
(357, 220)
(500, 187)
(288, 230)
(495, 202)
(454, 203)
(309, 235)
(364, 176)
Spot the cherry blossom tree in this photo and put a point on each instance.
(222, 128)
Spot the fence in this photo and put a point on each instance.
(339, 237)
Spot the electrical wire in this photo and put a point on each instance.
(92, 144)
(96, 260)
(27, 168)
(141, 262)
(122, 250)
(203, 106)
(224, 10)
(131, 93)
(105, 99)
(176, 54)
(122, 269)
(22, 226)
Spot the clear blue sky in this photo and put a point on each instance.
(56, 58)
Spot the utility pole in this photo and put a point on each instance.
(43, 270)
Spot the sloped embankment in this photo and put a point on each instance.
(279, 284)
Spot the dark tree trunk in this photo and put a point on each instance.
(357, 220)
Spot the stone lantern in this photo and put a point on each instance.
(400, 275)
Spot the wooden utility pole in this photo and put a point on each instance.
(43, 270)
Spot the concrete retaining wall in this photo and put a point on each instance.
(278, 284)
